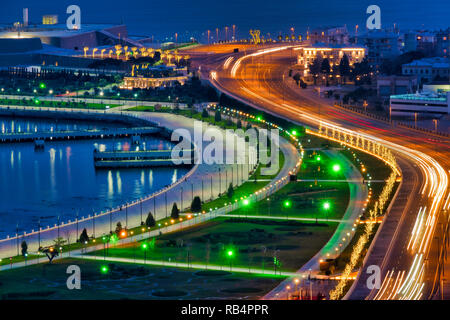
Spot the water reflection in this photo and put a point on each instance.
(61, 180)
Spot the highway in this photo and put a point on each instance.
(406, 246)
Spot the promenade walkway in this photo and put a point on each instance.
(204, 180)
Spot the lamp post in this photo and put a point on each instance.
(326, 207)
(145, 247)
(230, 254)
(287, 204)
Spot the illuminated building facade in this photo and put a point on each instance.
(334, 54)
(50, 19)
(146, 83)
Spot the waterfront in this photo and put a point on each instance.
(61, 180)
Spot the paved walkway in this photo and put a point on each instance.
(204, 180)
(358, 195)
(195, 181)
(281, 218)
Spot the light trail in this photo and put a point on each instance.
(433, 189)
(227, 62)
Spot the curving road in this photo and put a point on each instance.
(407, 244)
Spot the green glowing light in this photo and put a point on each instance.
(336, 168)
(294, 132)
(326, 205)
(42, 85)
(144, 246)
(287, 204)
(104, 269)
(230, 253)
(246, 202)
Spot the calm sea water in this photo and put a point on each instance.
(62, 180)
(194, 17)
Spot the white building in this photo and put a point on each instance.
(428, 103)
(334, 54)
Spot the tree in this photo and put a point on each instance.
(84, 236)
(118, 227)
(205, 113)
(325, 67)
(175, 211)
(361, 69)
(196, 205)
(150, 221)
(230, 191)
(217, 116)
(24, 246)
(59, 242)
(297, 78)
(344, 67)
(315, 67)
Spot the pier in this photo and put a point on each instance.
(78, 134)
(138, 159)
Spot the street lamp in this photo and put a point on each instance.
(104, 269)
(326, 207)
(336, 167)
(145, 247)
(230, 254)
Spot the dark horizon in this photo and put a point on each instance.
(194, 18)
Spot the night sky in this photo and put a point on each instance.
(193, 17)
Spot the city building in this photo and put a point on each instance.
(437, 87)
(443, 43)
(56, 45)
(333, 53)
(329, 35)
(380, 45)
(50, 19)
(428, 69)
(394, 85)
(426, 42)
(57, 35)
(146, 83)
(409, 42)
(144, 77)
(426, 103)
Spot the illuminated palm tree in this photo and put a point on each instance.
(169, 57)
(133, 50)
(143, 51)
(110, 53)
(118, 52)
(101, 53)
(85, 51)
(93, 52)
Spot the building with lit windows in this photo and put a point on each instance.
(443, 43)
(334, 54)
(333, 35)
(50, 19)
